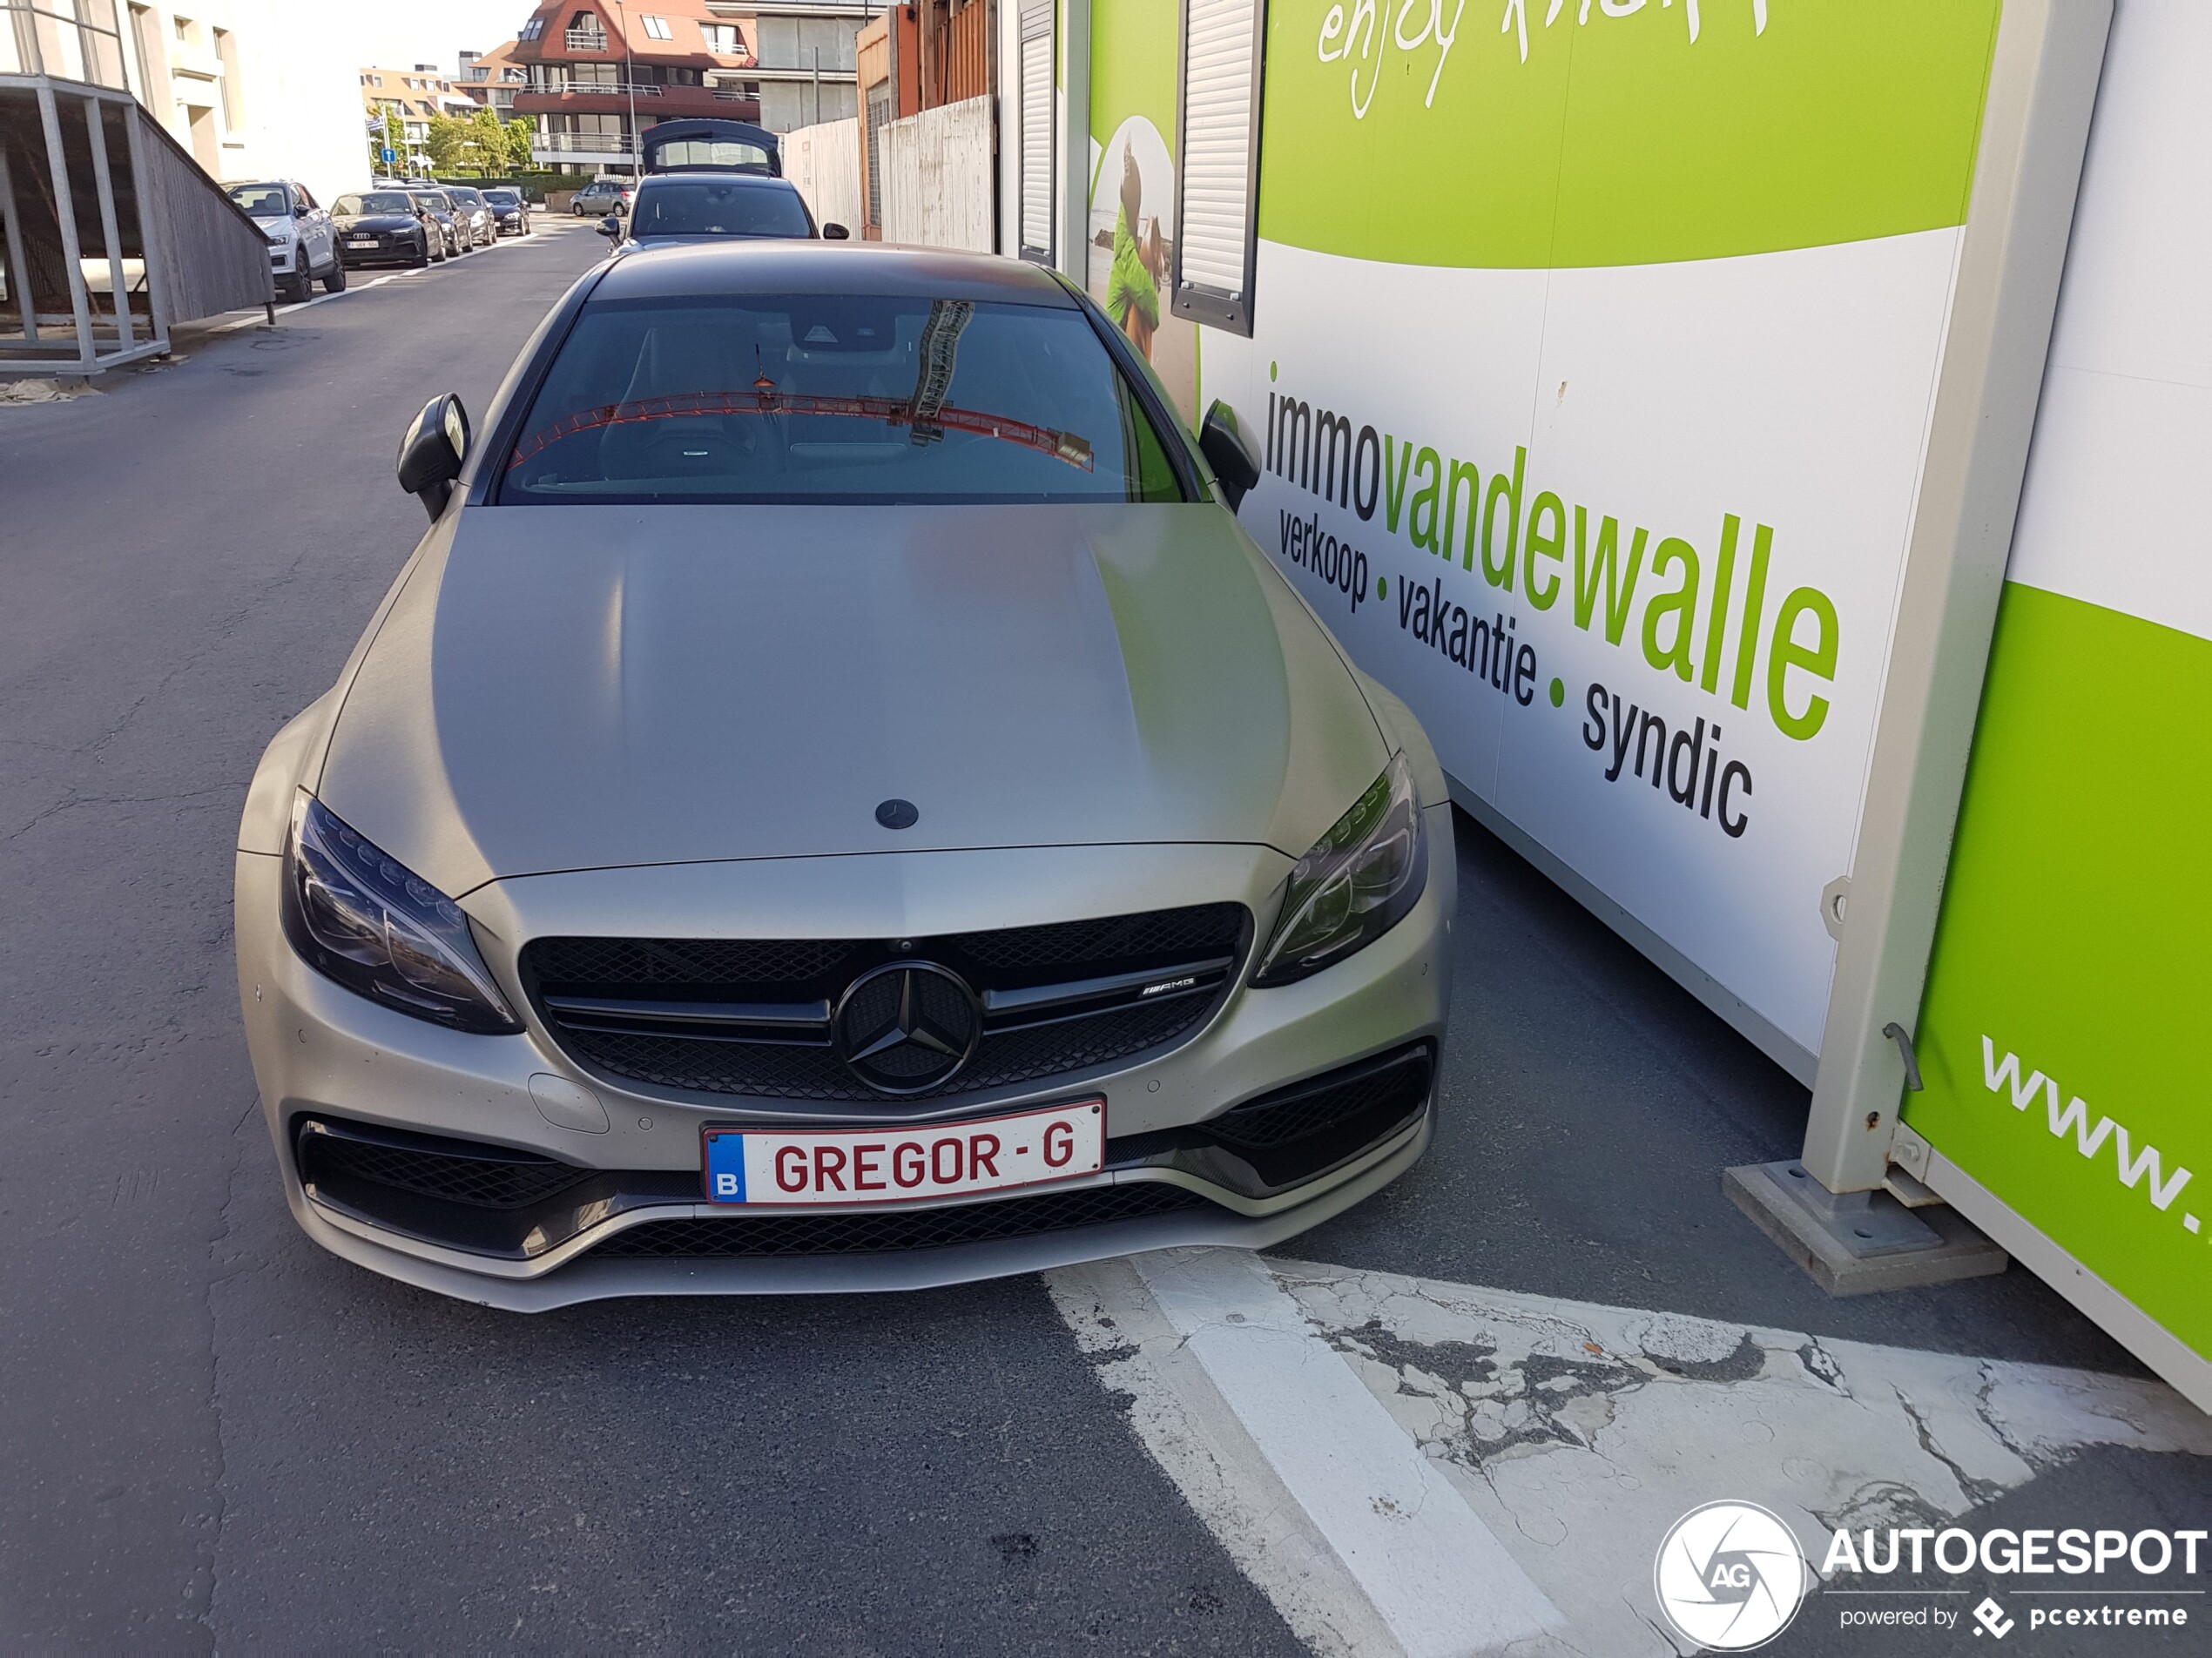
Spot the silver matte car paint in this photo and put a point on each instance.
(678, 721)
(781, 671)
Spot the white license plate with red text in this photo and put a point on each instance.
(757, 1167)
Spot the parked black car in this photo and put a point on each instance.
(699, 206)
(510, 209)
(383, 227)
(437, 216)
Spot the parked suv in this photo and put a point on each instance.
(601, 196)
(303, 244)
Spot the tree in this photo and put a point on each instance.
(520, 135)
(452, 143)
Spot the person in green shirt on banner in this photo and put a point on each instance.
(1132, 283)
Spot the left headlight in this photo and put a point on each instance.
(1355, 884)
(366, 921)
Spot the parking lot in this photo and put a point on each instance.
(226, 1436)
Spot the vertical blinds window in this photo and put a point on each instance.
(1037, 129)
(1220, 49)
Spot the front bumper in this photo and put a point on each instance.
(322, 1052)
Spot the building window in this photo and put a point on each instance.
(1216, 185)
(233, 97)
(532, 30)
(655, 28)
(1037, 93)
(722, 38)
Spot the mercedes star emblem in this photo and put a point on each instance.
(908, 1026)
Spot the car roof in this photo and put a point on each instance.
(730, 266)
(705, 175)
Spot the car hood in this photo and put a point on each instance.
(581, 687)
(282, 228)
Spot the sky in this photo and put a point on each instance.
(398, 34)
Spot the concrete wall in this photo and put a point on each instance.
(939, 177)
(824, 162)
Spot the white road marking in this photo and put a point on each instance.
(286, 309)
(1572, 1434)
(1430, 1568)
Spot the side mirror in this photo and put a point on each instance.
(431, 453)
(836, 233)
(299, 212)
(1224, 445)
(611, 226)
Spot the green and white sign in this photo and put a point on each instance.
(2063, 1036)
(1594, 363)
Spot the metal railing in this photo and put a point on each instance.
(582, 143)
(587, 40)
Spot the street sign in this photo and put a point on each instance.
(388, 156)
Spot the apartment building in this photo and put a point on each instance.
(250, 88)
(601, 70)
(492, 78)
(417, 96)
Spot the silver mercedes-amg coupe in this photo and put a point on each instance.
(835, 802)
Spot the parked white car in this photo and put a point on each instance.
(303, 244)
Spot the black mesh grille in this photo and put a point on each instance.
(690, 963)
(741, 971)
(1264, 1125)
(1205, 929)
(515, 1183)
(887, 1230)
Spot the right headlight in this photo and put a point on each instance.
(358, 916)
(1354, 885)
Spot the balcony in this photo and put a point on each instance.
(665, 102)
(587, 40)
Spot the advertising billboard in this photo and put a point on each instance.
(2061, 1041)
(1592, 369)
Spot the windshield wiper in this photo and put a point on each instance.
(913, 413)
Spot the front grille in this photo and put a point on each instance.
(482, 1177)
(802, 979)
(890, 1230)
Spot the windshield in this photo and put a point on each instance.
(466, 197)
(503, 197)
(431, 199)
(376, 201)
(835, 398)
(263, 201)
(734, 154)
(707, 207)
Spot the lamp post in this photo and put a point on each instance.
(630, 84)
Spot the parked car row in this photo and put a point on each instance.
(415, 223)
(406, 222)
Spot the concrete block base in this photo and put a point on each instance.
(1859, 1243)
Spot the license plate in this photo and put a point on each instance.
(755, 1168)
(361, 241)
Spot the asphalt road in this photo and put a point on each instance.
(217, 1435)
